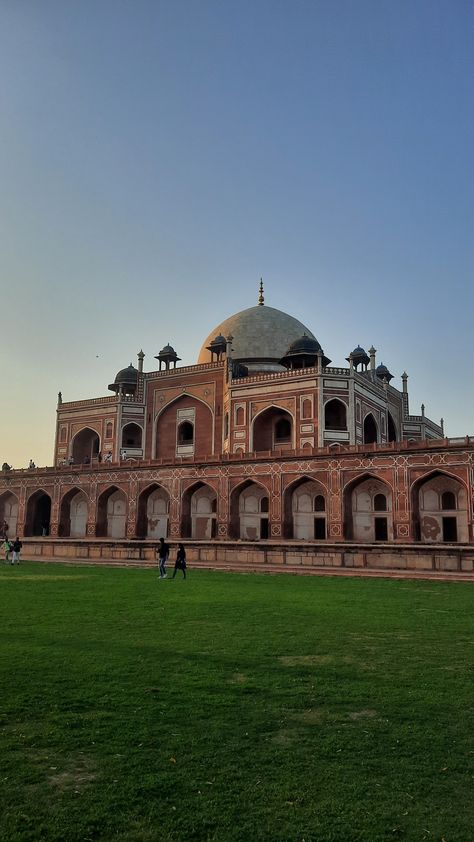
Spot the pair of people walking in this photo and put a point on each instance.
(12, 547)
(163, 551)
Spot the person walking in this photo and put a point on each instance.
(7, 548)
(180, 563)
(162, 552)
(16, 547)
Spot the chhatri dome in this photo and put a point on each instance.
(260, 336)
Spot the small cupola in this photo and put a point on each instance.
(125, 381)
(167, 356)
(359, 357)
(383, 373)
(303, 353)
(217, 346)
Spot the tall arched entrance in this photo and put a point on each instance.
(440, 512)
(305, 511)
(112, 514)
(85, 446)
(9, 513)
(249, 512)
(153, 513)
(199, 513)
(370, 429)
(272, 429)
(368, 510)
(38, 514)
(73, 514)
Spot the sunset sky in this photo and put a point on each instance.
(157, 158)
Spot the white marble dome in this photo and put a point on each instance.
(261, 337)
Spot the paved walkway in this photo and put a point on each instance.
(298, 570)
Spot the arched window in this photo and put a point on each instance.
(185, 433)
(448, 500)
(335, 415)
(239, 416)
(392, 430)
(109, 430)
(264, 504)
(132, 436)
(370, 429)
(283, 430)
(380, 503)
(319, 503)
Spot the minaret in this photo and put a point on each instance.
(261, 299)
(141, 357)
(372, 353)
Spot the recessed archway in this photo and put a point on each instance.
(368, 510)
(112, 513)
(440, 509)
(38, 514)
(335, 415)
(249, 512)
(73, 513)
(272, 429)
(85, 446)
(371, 433)
(9, 513)
(132, 436)
(153, 512)
(304, 503)
(199, 512)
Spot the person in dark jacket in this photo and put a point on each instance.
(162, 551)
(16, 547)
(180, 563)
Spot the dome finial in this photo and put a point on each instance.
(261, 299)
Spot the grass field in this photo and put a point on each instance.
(232, 707)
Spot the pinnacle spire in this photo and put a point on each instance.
(261, 299)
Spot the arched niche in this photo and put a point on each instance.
(73, 514)
(153, 512)
(335, 415)
(433, 519)
(85, 446)
(391, 428)
(371, 433)
(38, 514)
(305, 506)
(199, 512)
(132, 436)
(368, 510)
(112, 514)
(249, 512)
(9, 513)
(272, 429)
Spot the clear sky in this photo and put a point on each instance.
(157, 157)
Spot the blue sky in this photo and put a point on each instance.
(157, 158)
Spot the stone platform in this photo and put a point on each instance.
(437, 560)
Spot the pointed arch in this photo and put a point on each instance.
(9, 506)
(199, 512)
(111, 513)
(165, 443)
(305, 503)
(392, 434)
(153, 507)
(272, 427)
(132, 436)
(363, 520)
(431, 522)
(253, 523)
(85, 446)
(38, 514)
(371, 430)
(73, 514)
(335, 415)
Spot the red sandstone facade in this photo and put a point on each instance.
(259, 445)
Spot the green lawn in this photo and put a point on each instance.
(232, 707)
